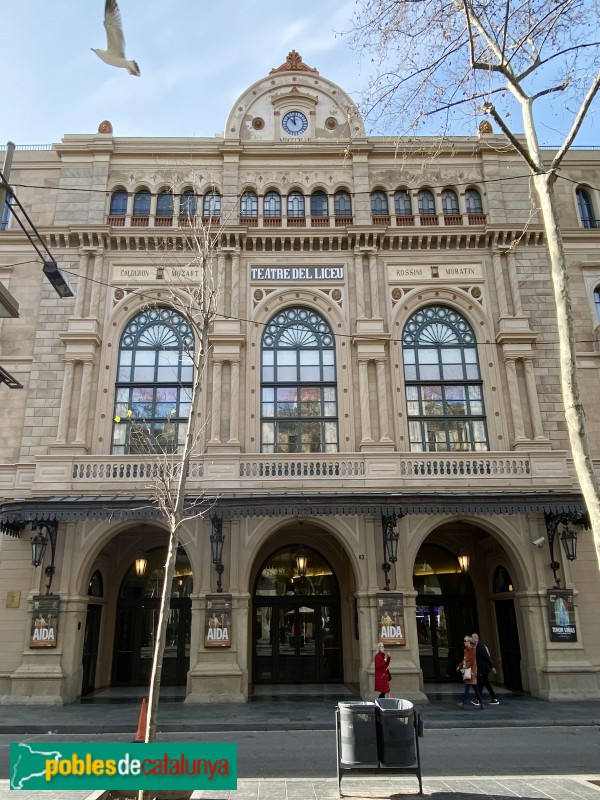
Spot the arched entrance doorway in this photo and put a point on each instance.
(446, 610)
(296, 624)
(137, 620)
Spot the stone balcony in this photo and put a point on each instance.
(302, 474)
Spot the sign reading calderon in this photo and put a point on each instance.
(71, 767)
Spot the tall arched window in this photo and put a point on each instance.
(272, 204)
(342, 204)
(597, 302)
(444, 393)
(154, 383)
(473, 202)
(141, 203)
(164, 204)
(187, 203)
(212, 205)
(295, 205)
(249, 205)
(586, 208)
(402, 203)
(449, 202)
(118, 203)
(298, 385)
(379, 204)
(319, 205)
(426, 202)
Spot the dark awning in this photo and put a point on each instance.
(15, 515)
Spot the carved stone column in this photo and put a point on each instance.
(220, 288)
(382, 397)
(365, 412)
(533, 399)
(235, 285)
(234, 404)
(65, 403)
(81, 283)
(515, 399)
(84, 402)
(215, 418)
(96, 284)
(500, 286)
(514, 284)
(374, 283)
(360, 284)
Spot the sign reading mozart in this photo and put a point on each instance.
(390, 619)
(154, 274)
(217, 628)
(44, 621)
(296, 274)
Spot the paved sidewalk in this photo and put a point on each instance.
(285, 713)
(579, 787)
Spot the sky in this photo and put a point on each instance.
(196, 58)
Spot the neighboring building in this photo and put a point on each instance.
(385, 363)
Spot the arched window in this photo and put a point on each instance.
(187, 203)
(164, 204)
(249, 204)
(426, 202)
(149, 585)
(450, 202)
(118, 203)
(502, 581)
(473, 202)
(597, 302)
(272, 204)
(402, 203)
(96, 587)
(444, 393)
(319, 205)
(6, 213)
(342, 204)
(298, 385)
(586, 208)
(154, 383)
(379, 204)
(141, 203)
(295, 204)
(212, 205)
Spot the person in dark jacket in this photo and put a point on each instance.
(484, 667)
(382, 663)
(468, 668)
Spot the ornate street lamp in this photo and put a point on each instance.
(464, 561)
(301, 562)
(568, 539)
(39, 543)
(38, 547)
(216, 548)
(390, 545)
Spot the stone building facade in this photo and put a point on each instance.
(382, 397)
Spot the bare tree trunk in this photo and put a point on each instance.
(574, 413)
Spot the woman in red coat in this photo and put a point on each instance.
(382, 661)
(468, 667)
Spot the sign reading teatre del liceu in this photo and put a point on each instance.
(298, 273)
(413, 273)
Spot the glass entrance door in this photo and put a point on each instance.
(441, 627)
(296, 642)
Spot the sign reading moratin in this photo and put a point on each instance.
(411, 273)
(297, 273)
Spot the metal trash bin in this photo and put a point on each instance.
(396, 732)
(358, 734)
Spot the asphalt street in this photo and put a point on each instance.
(451, 752)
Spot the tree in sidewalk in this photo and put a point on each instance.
(188, 266)
(451, 60)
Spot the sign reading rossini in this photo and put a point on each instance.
(411, 273)
(315, 274)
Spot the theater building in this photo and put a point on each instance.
(383, 440)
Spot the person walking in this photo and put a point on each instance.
(484, 667)
(468, 667)
(382, 675)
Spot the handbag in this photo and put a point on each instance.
(467, 674)
(389, 676)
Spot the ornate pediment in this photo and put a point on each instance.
(294, 63)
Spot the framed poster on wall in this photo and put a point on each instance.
(44, 621)
(217, 628)
(390, 619)
(561, 614)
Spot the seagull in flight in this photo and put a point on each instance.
(115, 41)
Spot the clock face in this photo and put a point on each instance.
(294, 123)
